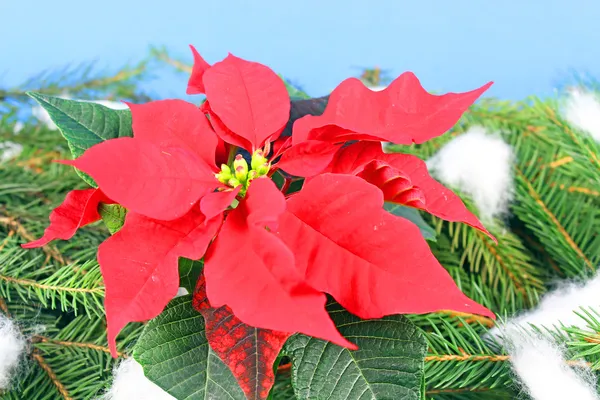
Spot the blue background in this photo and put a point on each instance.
(526, 46)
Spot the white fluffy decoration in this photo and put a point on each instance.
(43, 116)
(130, 384)
(12, 346)
(480, 165)
(559, 306)
(539, 363)
(582, 110)
(9, 150)
(544, 372)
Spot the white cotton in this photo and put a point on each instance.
(559, 306)
(18, 127)
(582, 110)
(9, 150)
(480, 165)
(43, 116)
(12, 346)
(544, 372)
(130, 383)
(115, 105)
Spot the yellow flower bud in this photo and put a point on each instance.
(240, 167)
(225, 175)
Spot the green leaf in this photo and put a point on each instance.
(388, 365)
(176, 356)
(414, 216)
(294, 92)
(85, 124)
(113, 216)
(189, 271)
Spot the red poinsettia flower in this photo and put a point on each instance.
(270, 257)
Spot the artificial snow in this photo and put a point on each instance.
(559, 306)
(130, 383)
(544, 373)
(9, 150)
(582, 110)
(12, 346)
(478, 164)
(539, 363)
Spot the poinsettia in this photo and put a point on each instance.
(270, 256)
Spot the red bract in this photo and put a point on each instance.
(249, 352)
(402, 113)
(80, 208)
(372, 262)
(403, 179)
(139, 264)
(270, 262)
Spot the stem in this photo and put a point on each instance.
(286, 185)
(231, 155)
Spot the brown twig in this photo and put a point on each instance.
(83, 345)
(37, 285)
(533, 193)
(15, 225)
(487, 357)
(472, 318)
(44, 365)
(4, 307)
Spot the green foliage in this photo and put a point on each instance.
(189, 271)
(414, 216)
(85, 124)
(175, 354)
(388, 364)
(55, 293)
(113, 216)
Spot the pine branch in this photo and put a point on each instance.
(162, 55)
(460, 359)
(73, 287)
(51, 375)
(71, 358)
(84, 82)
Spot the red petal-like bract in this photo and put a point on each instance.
(215, 203)
(249, 99)
(372, 262)
(307, 158)
(161, 183)
(402, 113)
(251, 270)
(79, 208)
(175, 123)
(249, 352)
(139, 265)
(195, 84)
(404, 179)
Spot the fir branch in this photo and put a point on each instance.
(563, 232)
(576, 140)
(84, 82)
(44, 365)
(161, 54)
(18, 228)
(72, 287)
(84, 345)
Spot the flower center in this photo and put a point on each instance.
(241, 174)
